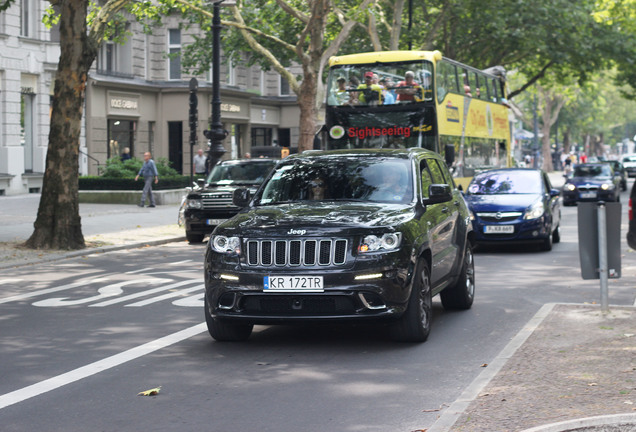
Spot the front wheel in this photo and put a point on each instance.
(462, 294)
(556, 234)
(415, 324)
(224, 332)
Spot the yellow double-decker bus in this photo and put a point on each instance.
(396, 99)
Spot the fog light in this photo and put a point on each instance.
(535, 233)
(368, 276)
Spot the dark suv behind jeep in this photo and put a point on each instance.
(210, 205)
(342, 235)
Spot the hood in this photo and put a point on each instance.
(316, 217)
(589, 180)
(501, 202)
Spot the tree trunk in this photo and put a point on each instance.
(58, 222)
(307, 105)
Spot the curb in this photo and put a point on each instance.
(614, 423)
(91, 251)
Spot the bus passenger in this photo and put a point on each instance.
(407, 88)
(371, 93)
(339, 95)
(387, 92)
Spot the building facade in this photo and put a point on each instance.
(29, 53)
(136, 97)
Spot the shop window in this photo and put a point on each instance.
(261, 137)
(121, 134)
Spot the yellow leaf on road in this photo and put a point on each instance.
(151, 392)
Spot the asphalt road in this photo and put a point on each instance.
(80, 338)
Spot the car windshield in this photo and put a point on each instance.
(340, 179)
(629, 159)
(240, 173)
(506, 182)
(592, 171)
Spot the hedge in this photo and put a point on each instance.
(101, 183)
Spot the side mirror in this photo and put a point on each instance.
(201, 183)
(241, 197)
(438, 193)
(554, 193)
(449, 154)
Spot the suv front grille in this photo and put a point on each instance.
(291, 253)
(216, 200)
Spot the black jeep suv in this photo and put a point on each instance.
(342, 235)
(209, 205)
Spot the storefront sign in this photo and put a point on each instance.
(227, 107)
(122, 103)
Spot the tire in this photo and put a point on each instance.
(462, 294)
(415, 324)
(194, 238)
(556, 234)
(546, 246)
(223, 332)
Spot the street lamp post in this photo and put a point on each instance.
(216, 134)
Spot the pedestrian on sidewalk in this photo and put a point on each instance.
(149, 172)
(200, 165)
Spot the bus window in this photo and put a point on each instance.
(495, 91)
(446, 80)
(487, 90)
(477, 86)
(465, 80)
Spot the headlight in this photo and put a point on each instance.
(223, 244)
(195, 204)
(387, 242)
(535, 211)
(607, 186)
(570, 187)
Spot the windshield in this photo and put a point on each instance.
(629, 159)
(592, 171)
(340, 179)
(380, 84)
(506, 182)
(240, 173)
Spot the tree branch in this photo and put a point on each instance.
(293, 12)
(533, 80)
(105, 14)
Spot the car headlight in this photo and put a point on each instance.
(607, 186)
(195, 204)
(387, 242)
(570, 187)
(223, 244)
(535, 211)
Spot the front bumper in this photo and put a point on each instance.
(580, 196)
(344, 298)
(204, 221)
(522, 230)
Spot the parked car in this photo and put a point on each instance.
(629, 162)
(631, 232)
(345, 235)
(619, 170)
(591, 182)
(210, 204)
(514, 205)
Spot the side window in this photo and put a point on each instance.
(487, 89)
(436, 172)
(425, 177)
(495, 91)
(446, 80)
(448, 177)
(478, 83)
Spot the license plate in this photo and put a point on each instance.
(588, 194)
(215, 221)
(499, 229)
(293, 283)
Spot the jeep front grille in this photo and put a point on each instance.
(308, 252)
(216, 200)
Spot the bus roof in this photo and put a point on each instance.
(385, 56)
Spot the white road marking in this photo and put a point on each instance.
(98, 366)
(165, 296)
(192, 301)
(141, 294)
(19, 297)
(8, 281)
(104, 292)
(176, 263)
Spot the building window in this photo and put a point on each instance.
(28, 18)
(115, 59)
(284, 86)
(174, 49)
(27, 102)
(121, 134)
(261, 137)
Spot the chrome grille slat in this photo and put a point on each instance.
(297, 252)
(217, 200)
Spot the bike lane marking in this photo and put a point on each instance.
(94, 368)
(142, 293)
(19, 297)
(166, 296)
